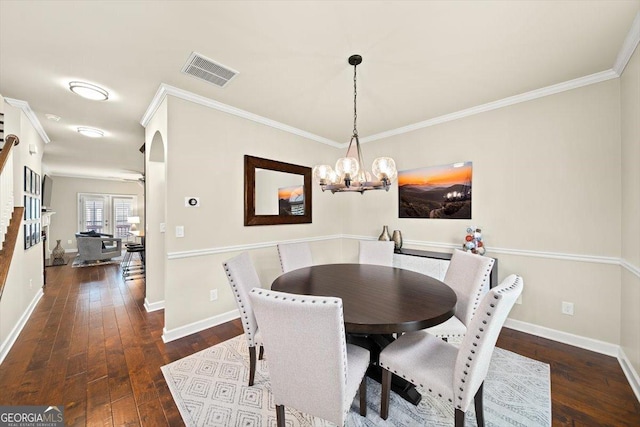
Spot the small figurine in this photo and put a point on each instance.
(473, 241)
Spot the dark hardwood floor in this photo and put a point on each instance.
(92, 347)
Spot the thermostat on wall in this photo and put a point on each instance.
(192, 202)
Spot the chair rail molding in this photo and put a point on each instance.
(421, 243)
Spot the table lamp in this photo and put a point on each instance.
(134, 220)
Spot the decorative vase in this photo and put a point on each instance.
(385, 236)
(397, 239)
(57, 254)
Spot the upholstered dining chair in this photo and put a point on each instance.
(312, 368)
(376, 252)
(468, 275)
(294, 256)
(442, 369)
(242, 277)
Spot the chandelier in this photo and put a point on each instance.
(349, 173)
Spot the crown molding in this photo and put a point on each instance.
(26, 109)
(516, 99)
(99, 178)
(628, 47)
(164, 90)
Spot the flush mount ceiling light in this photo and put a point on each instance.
(89, 91)
(350, 174)
(90, 132)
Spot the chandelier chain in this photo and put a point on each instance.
(355, 98)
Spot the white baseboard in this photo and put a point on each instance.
(630, 373)
(192, 328)
(564, 337)
(153, 306)
(15, 332)
(585, 343)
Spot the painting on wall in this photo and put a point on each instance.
(436, 192)
(27, 236)
(27, 180)
(291, 200)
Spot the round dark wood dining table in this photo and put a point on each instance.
(377, 302)
(375, 299)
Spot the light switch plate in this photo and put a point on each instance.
(179, 230)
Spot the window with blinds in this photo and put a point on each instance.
(106, 213)
(94, 215)
(122, 209)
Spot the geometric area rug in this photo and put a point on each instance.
(210, 389)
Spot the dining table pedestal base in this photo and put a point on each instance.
(375, 344)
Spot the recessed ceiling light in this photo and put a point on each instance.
(52, 117)
(89, 91)
(90, 132)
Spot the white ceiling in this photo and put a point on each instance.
(421, 60)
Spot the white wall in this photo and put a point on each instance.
(64, 202)
(630, 133)
(24, 283)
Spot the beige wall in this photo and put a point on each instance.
(205, 158)
(155, 154)
(545, 179)
(546, 186)
(25, 274)
(630, 135)
(64, 202)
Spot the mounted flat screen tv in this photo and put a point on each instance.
(47, 188)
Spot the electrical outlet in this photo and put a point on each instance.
(179, 230)
(213, 294)
(163, 227)
(519, 300)
(567, 308)
(69, 242)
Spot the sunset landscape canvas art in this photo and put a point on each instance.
(436, 192)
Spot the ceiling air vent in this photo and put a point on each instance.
(205, 69)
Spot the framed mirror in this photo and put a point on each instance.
(276, 192)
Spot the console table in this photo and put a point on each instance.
(432, 263)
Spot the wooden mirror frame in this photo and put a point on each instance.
(250, 218)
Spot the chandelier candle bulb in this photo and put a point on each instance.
(349, 174)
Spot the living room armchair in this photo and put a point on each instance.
(97, 248)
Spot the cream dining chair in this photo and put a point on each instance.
(242, 277)
(468, 275)
(453, 374)
(294, 256)
(376, 252)
(312, 368)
